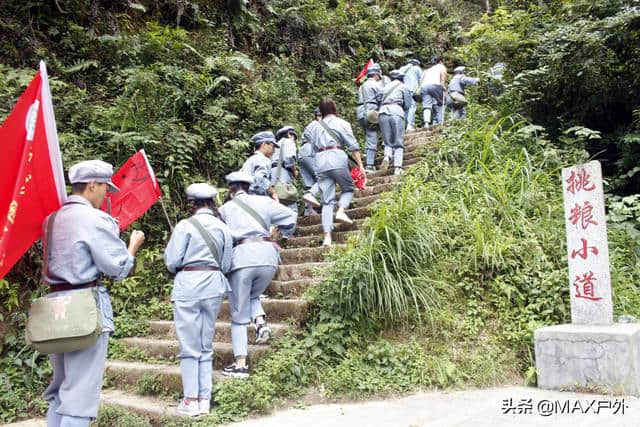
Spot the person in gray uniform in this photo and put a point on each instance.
(254, 263)
(259, 164)
(286, 138)
(367, 102)
(412, 77)
(308, 172)
(457, 87)
(84, 245)
(199, 254)
(329, 138)
(395, 101)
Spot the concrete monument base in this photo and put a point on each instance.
(606, 358)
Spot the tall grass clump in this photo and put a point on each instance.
(472, 242)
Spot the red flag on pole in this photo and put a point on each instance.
(139, 190)
(31, 175)
(364, 71)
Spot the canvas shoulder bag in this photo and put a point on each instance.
(373, 116)
(417, 92)
(207, 239)
(286, 191)
(64, 323)
(248, 209)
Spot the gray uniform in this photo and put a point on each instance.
(367, 101)
(197, 295)
(332, 165)
(84, 244)
(253, 264)
(258, 166)
(289, 160)
(412, 77)
(308, 167)
(392, 119)
(458, 84)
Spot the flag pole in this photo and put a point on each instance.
(164, 209)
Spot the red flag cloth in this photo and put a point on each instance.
(31, 175)
(359, 178)
(364, 71)
(139, 190)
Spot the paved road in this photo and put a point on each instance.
(464, 409)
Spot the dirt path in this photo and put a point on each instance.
(465, 409)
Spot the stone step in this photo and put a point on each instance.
(291, 288)
(370, 190)
(382, 180)
(123, 374)
(300, 271)
(354, 213)
(168, 349)
(166, 329)
(316, 229)
(278, 310)
(307, 254)
(158, 410)
(316, 239)
(365, 201)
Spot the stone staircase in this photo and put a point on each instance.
(301, 261)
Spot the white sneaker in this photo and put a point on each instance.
(341, 216)
(398, 171)
(410, 128)
(204, 405)
(308, 197)
(188, 408)
(385, 163)
(327, 240)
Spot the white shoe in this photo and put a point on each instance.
(385, 163)
(341, 216)
(188, 408)
(308, 197)
(398, 171)
(410, 128)
(327, 240)
(204, 405)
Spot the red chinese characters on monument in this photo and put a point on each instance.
(582, 215)
(583, 252)
(580, 181)
(585, 286)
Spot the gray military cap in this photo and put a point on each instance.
(282, 132)
(262, 137)
(459, 70)
(92, 170)
(200, 191)
(239, 176)
(374, 69)
(396, 75)
(414, 61)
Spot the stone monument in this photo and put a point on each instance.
(592, 351)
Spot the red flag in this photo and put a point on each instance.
(31, 175)
(139, 190)
(364, 71)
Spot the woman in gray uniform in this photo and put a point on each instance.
(255, 261)
(329, 138)
(199, 252)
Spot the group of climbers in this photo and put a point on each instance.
(231, 251)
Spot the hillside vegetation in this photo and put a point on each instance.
(452, 273)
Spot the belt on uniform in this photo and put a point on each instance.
(57, 287)
(252, 240)
(198, 268)
(332, 147)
